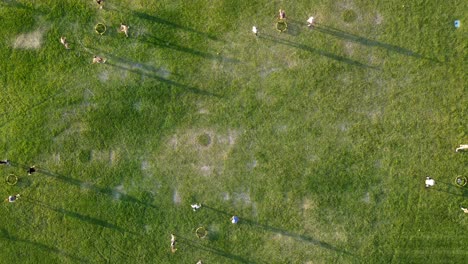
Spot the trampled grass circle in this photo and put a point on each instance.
(281, 25)
(100, 28)
(201, 232)
(204, 139)
(349, 16)
(11, 179)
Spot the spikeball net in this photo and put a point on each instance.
(11, 179)
(281, 25)
(100, 28)
(461, 181)
(201, 232)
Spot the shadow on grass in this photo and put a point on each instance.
(4, 234)
(283, 232)
(194, 244)
(164, 80)
(317, 51)
(368, 42)
(81, 217)
(106, 191)
(150, 72)
(451, 189)
(30, 107)
(165, 44)
(165, 22)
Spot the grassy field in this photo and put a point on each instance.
(318, 139)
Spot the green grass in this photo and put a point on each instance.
(318, 139)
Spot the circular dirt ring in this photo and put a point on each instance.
(349, 16)
(100, 28)
(11, 179)
(201, 232)
(204, 140)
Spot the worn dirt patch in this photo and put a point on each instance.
(110, 156)
(31, 40)
(176, 197)
(308, 204)
(118, 191)
(378, 19)
(203, 151)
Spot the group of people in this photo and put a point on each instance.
(97, 59)
(195, 207)
(431, 182)
(30, 171)
(282, 16)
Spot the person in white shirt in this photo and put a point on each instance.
(255, 30)
(310, 22)
(462, 147)
(429, 182)
(195, 207)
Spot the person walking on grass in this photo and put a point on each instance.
(64, 42)
(97, 59)
(234, 219)
(464, 209)
(173, 243)
(32, 170)
(124, 28)
(12, 198)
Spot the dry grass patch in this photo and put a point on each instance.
(31, 40)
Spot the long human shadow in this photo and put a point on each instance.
(150, 72)
(169, 45)
(165, 22)
(29, 107)
(317, 51)
(368, 42)
(164, 80)
(81, 217)
(451, 189)
(213, 250)
(4, 234)
(284, 232)
(106, 191)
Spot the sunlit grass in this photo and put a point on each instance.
(318, 139)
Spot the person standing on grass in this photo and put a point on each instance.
(255, 30)
(234, 219)
(64, 42)
(465, 210)
(195, 207)
(31, 170)
(124, 28)
(100, 3)
(97, 59)
(200, 262)
(311, 22)
(462, 147)
(282, 14)
(13, 198)
(173, 243)
(429, 182)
